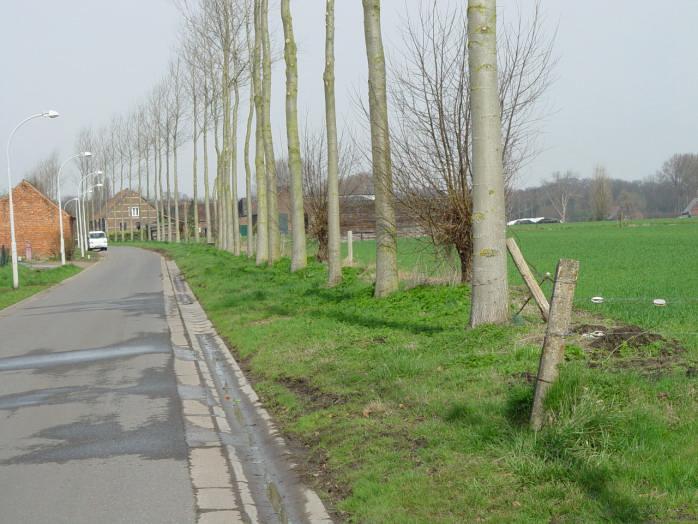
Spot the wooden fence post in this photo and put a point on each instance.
(554, 344)
(528, 278)
(350, 248)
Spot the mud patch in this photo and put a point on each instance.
(631, 347)
(311, 395)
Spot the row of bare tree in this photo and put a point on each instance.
(463, 110)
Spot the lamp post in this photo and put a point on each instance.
(81, 195)
(13, 240)
(84, 209)
(84, 154)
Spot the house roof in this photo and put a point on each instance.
(28, 185)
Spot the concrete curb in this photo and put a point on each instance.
(263, 472)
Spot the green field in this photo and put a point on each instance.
(409, 416)
(31, 281)
(629, 266)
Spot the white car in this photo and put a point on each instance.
(97, 240)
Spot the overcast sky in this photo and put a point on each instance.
(624, 93)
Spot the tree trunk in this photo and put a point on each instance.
(195, 165)
(274, 240)
(490, 295)
(334, 260)
(466, 263)
(260, 173)
(207, 192)
(234, 172)
(167, 185)
(248, 134)
(176, 187)
(299, 259)
(248, 176)
(386, 231)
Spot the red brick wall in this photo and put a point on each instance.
(36, 222)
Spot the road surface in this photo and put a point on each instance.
(109, 414)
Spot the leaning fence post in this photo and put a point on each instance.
(527, 276)
(350, 248)
(558, 327)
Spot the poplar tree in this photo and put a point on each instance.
(299, 259)
(334, 260)
(490, 294)
(260, 172)
(273, 239)
(386, 231)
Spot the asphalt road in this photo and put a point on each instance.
(91, 425)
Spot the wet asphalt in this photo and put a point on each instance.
(90, 422)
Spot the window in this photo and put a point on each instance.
(98, 234)
(135, 211)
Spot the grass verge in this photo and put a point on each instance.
(407, 416)
(31, 282)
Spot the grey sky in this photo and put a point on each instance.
(624, 93)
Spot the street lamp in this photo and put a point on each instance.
(13, 240)
(83, 230)
(84, 208)
(84, 154)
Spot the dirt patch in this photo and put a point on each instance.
(311, 395)
(630, 347)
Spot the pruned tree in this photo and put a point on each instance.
(386, 231)
(490, 292)
(316, 187)
(432, 138)
(299, 256)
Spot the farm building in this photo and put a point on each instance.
(126, 211)
(37, 227)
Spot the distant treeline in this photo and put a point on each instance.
(570, 197)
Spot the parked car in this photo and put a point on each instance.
(97, 240)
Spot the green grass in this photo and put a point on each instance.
(31, 281)
(411, 417)
(629, 267)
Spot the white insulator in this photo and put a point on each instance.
(659, 302)
(597, 300)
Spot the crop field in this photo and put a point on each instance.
(629, 266)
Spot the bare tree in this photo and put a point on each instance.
(681, 171)
(315, 183)
(601, 197)
(490, 293)
(386, 231)
(334, 260)
(44, 176)
(274, 239)
(433, 136)
(260, 172)
(249, 20)
(560, 190)
(299, 258)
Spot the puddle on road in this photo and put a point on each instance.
(63, 358)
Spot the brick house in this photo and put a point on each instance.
(127, 211)
(36, 223)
